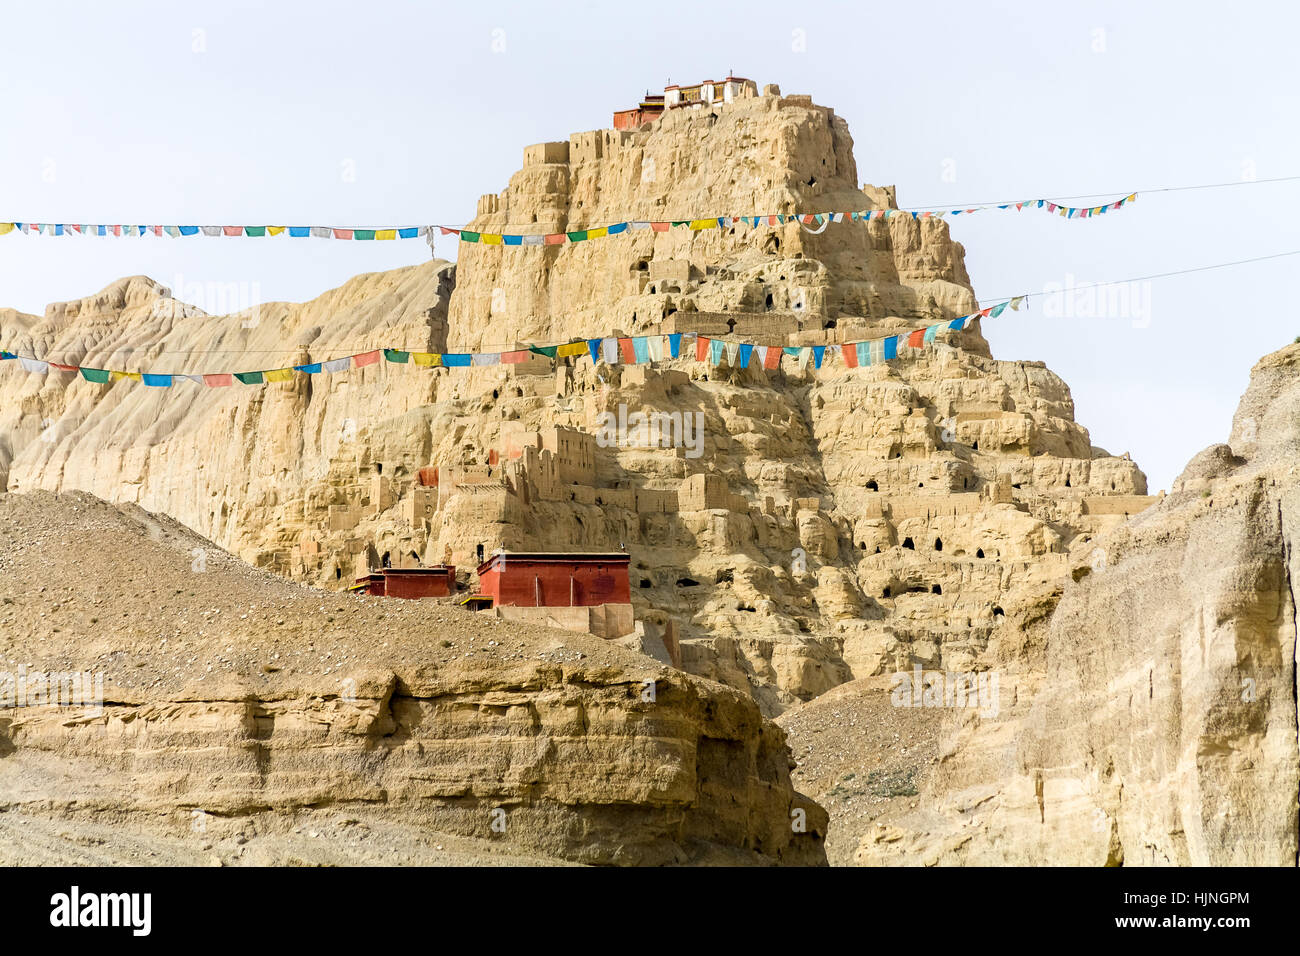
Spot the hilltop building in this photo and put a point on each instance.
(674, 96)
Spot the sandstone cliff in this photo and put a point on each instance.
(1152, 718)
(837, 524)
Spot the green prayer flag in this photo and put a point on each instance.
(249, 378)
(363, 233)
(467, 236)
(396, 355)
(95, 374)
(255, 230)
(547, 350)
(578, 236)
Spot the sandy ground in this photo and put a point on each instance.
(314, 838)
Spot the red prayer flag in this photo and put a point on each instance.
(629, 353)
(233, 230)
(917, 339)
(773, 359)
(342, 233)
(365, 358)
(514, 358)
(556, 238)
(217, 380)
(850, 355)
(701, 348)
(659, 226)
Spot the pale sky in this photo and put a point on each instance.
(397, 113)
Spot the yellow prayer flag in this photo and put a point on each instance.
(6, 227)
(118, 375)
(274, 230)
(385, 233)
(490, 238)
(573, 348)
(598, 233)
(279, 375)
(426, 358)
(704, 223)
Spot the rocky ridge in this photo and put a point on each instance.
(1149, 710)
(243, 715)
(837, 524)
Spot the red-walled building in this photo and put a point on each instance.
(650, 108)
(438, 581)
(555, 578)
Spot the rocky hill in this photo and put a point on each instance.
(835, 524)
(1150, 720)
(243, 716)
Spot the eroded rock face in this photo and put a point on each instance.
(810, 529)
(1154, 720)
(233, 694)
